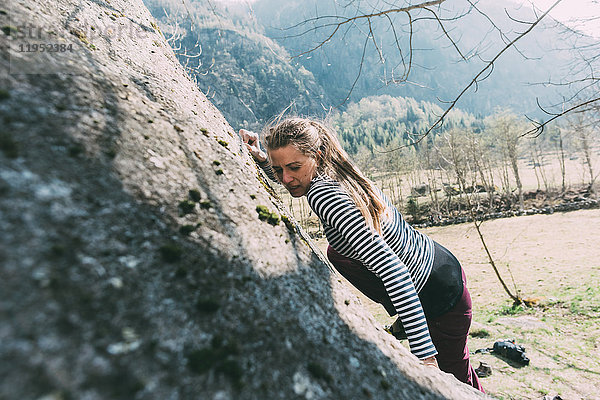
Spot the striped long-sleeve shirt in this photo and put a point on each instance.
(401, 256)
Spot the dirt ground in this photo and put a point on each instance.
(554, 259)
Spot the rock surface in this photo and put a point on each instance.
(133, 261)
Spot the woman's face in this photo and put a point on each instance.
(294, 170)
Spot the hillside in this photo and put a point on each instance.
(134, 264)
(240, 55)
(248, 76)
(377, 122)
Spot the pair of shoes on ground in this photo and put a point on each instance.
(484, 370)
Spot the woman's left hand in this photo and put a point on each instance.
(253, 144)
(430, 362)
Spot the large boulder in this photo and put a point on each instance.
(133, 260)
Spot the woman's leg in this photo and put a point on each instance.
(449, 333)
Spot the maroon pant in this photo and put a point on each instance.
(448, 331)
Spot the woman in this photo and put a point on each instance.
(371, 245)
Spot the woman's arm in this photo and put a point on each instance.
(335, 207)
(252, 143)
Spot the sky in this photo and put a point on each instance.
(583, 15)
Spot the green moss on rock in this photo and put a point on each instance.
(186, 207)
(9, 30)
(81, 36)
(265, 215)
(170, 252)
(220, 357)
(288, 223)
(187, 229)
(57, 250)
(8, 145)
(194, 195)
(318, 372)
(76, 150)
(208, 306)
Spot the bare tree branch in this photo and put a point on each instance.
(443, 28)
(362, 59)
(539, 127)
(348, 20)
(406, 73)
(487, 69)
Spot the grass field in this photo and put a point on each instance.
(555, 258)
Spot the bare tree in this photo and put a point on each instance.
(398, 164)
(507, 130)
(583, 132)
(479, 153)
(177, 27)
(431, 162)
(455, 152)
(560, 153)
(538, 162)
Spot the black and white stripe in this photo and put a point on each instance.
(268, 169)
(401, 256)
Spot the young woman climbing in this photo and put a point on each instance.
(371, 244)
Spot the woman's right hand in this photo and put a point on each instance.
(253, 144)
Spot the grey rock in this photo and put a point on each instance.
(102, 296)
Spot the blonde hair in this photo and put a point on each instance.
(314, 139)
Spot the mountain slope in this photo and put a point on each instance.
(437, 72)
(244, 73)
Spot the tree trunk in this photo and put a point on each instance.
(515, 169)
(587, 156)
(561, 160)
(462, 184)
